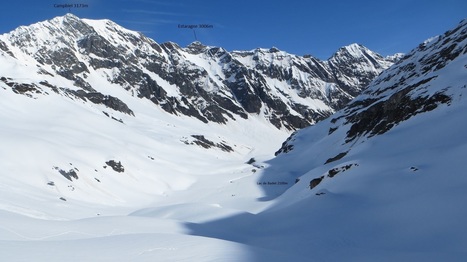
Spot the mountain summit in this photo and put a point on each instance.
(204, 82)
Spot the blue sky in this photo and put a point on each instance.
(300, 27)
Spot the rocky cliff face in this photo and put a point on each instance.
(204, 82)
(430, 76)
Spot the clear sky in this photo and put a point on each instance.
(299, 27)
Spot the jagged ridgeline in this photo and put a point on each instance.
(430, 76)
(203, 82)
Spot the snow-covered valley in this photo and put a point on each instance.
(382, 179)
(167, 180)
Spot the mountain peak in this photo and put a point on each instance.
(58, 20)
(71, 16)
(359, 59)
(68, 20)
(355, 50)
(274, 49)
(355, 46)
(196, 47)
(395, 57)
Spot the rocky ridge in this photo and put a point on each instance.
(420, 82)
(204, 82)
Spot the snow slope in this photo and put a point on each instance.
(50, 216)
(374, 184)
(402, 199)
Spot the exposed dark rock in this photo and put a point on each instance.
(118, 120)
(116, 166)
(333, 172)
(5, 49)
(335, 158)
(70, 175)
(150, 89)
(382, 116)
(337, 170)
(22, 88)
(111, 117)
(287, 145)
(251, 161)
(52, 87)
(64, 60)
(314, 182)
(224, 147)
(99, 98)
(332, 129)
(202, 141)
(100, 47)
(25, 88)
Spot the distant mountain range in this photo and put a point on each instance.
(72, 56)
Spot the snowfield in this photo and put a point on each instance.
(136, 215)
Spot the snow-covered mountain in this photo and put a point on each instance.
(204, 82)
(384, 178)
(104, 157)
(86, 100)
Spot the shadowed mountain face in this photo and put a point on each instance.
(430, 77)
(383, 178)
(204, 82)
